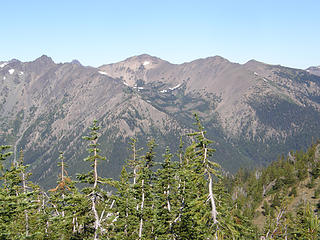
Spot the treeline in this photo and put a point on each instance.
(283, 199)
(183, 197)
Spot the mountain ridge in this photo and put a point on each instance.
(46, 107)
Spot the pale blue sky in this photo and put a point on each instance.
(98, 32)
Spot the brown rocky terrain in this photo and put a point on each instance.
(254, 111)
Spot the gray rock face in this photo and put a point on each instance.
(254, 111)
(314, 70)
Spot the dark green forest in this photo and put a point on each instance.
(185, 196)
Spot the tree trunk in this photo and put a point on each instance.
(95, 166)
(96, 216)
(213, 205)
(142, 204)
(93, 198)
(26, 216)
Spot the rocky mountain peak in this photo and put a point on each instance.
(44, 59)
(214, 60)
(40, 65)
(134, 68)
(252, 63)
(76, 62)
(315, 70)
(143, 59)
(14, 61)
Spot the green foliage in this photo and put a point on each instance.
(307, 225)
(185, 196)
(4, 154)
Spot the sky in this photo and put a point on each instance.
(100, 32)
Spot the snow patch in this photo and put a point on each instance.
(126, 84)
(265, 80)
(3, 64)
(255, 73)
(139, 88)
(175, 87)
(4, 78)
(146, 63)
(171, 89)
(103, 73)
(21, 73)
(11, 71)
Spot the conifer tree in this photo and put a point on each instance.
(24, 178)
(202, 170)
(166, 201)
(19, 206)
(128, 197)
(206, 207)
(307, 224)
(97, 195)
(4, 154)
(67, 206)
(126, 224)
(145, 190)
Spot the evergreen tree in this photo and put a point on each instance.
(4, 154)
(97, 195)
(126, 224)
(68, 207)
(307, 224)
(166, 201)
(20, 209)
(128, 197)
(205, 211)
(146, 193)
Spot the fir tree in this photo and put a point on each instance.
(98, 197)
(307, 224)
(166, 201)
(145, 190)
(67, 206)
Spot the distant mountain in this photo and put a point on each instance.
(314, 70)
(252, 107)
(254, 111)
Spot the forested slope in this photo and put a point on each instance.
(185, 196)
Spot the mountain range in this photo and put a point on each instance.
(254, 112)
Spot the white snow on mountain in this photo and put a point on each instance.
(3, 64)
(103, 73)
(175, 87)
(11, 71)
(139, 88)
(170, 89)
